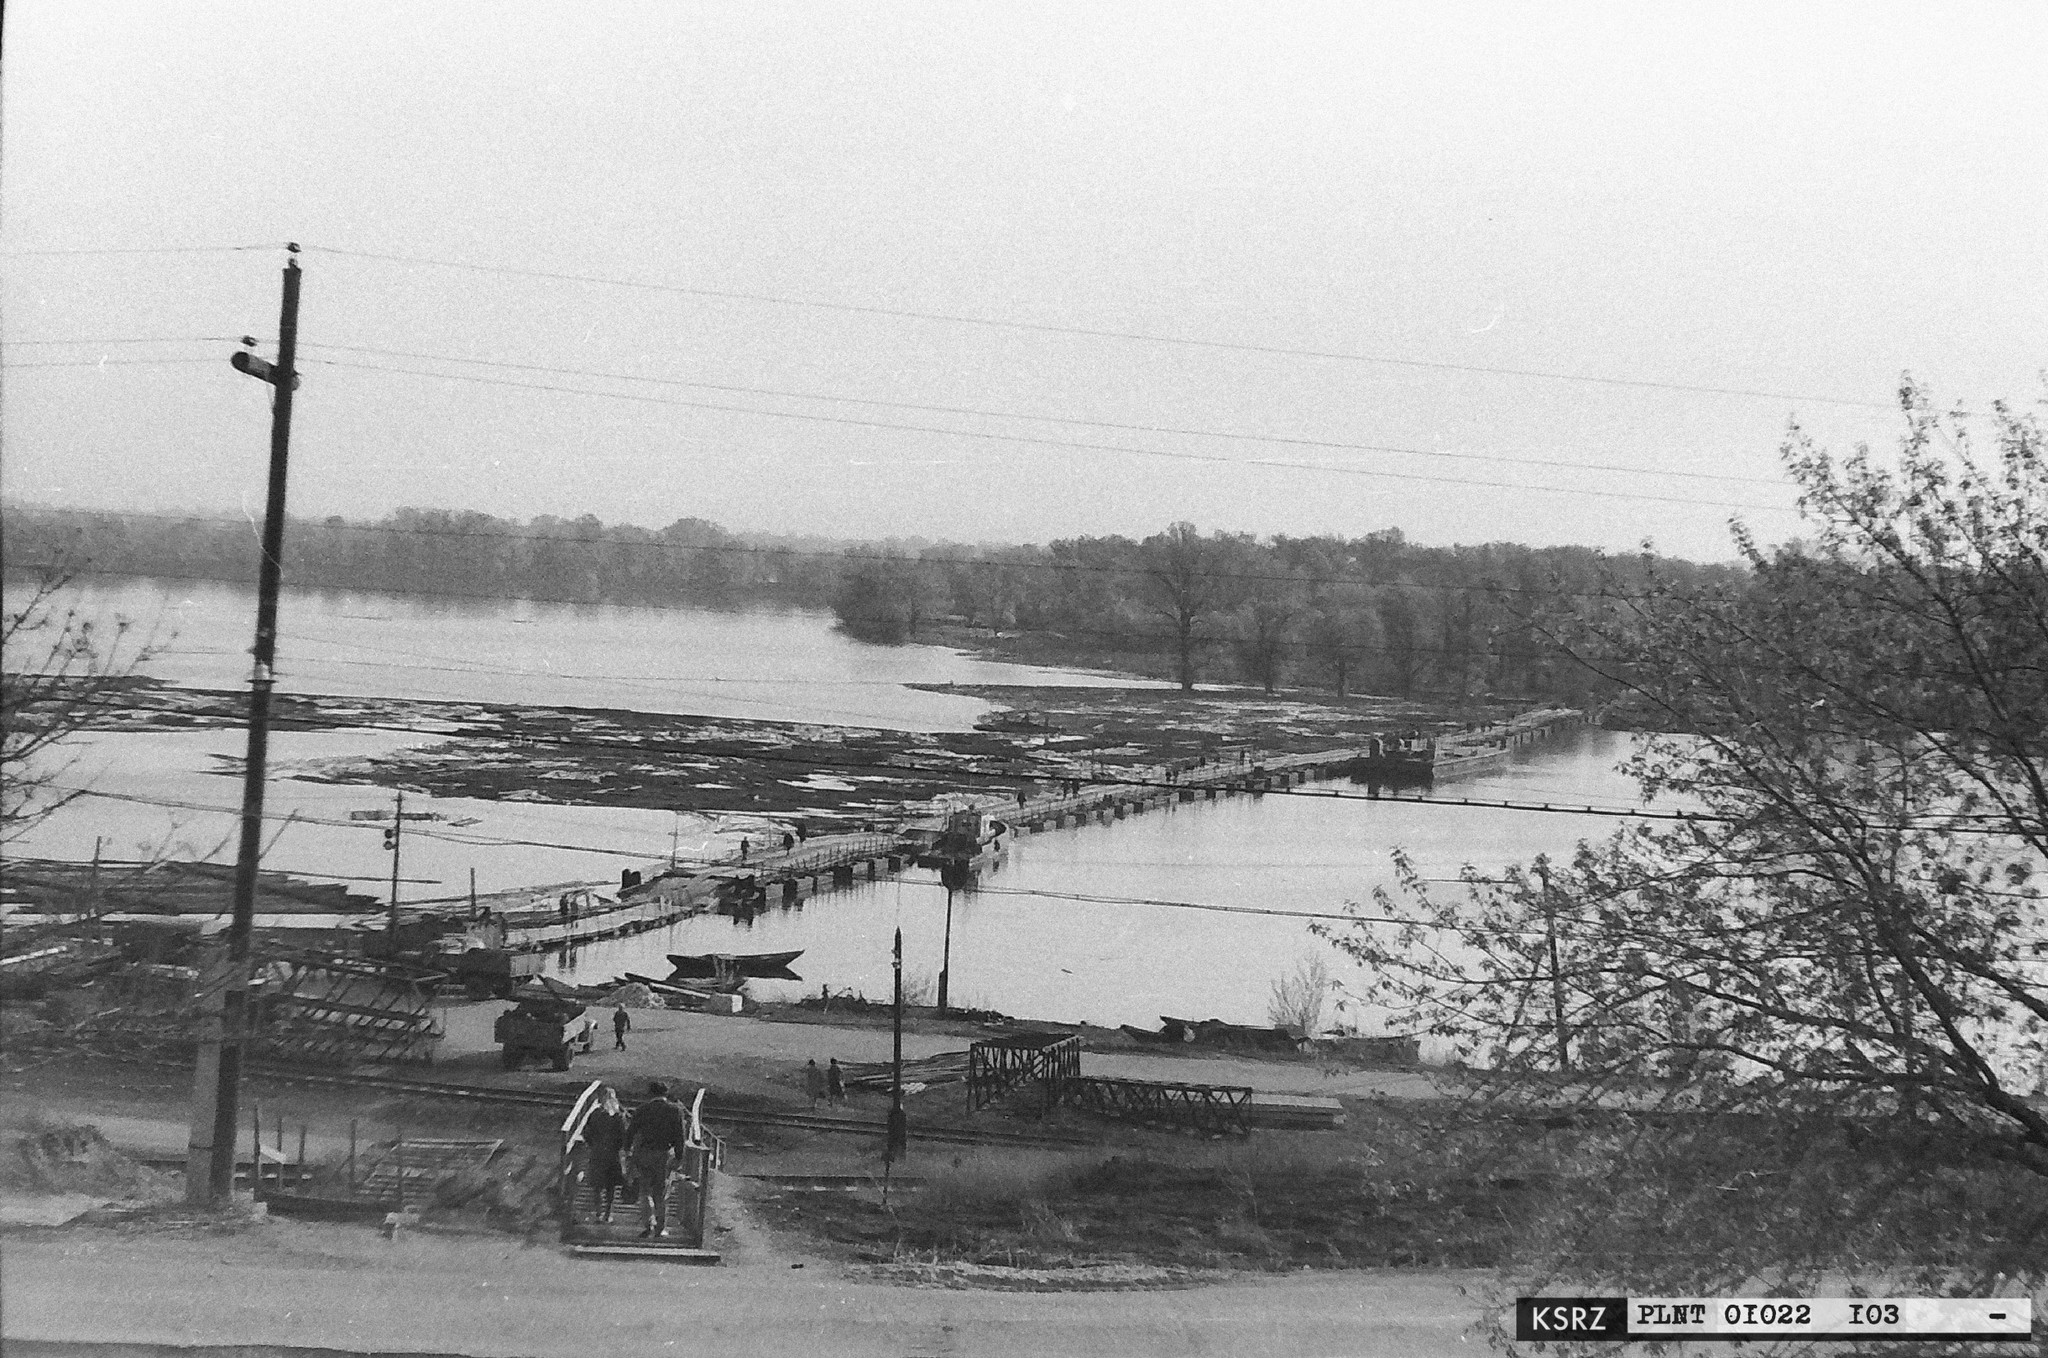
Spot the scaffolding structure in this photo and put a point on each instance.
(1043, 1063)
(343, 1011)
(1208, 1109)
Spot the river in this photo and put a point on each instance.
(766, 665)
(1022, 943)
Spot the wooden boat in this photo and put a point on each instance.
(761, 964)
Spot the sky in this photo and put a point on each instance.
(1321, 248)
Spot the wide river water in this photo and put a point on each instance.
(1029, 941)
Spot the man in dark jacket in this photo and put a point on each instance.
(655, 1145)
(620, 1025)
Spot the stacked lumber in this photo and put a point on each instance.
(945, 1068)
(1296, 1112)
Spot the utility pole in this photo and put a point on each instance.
(1564, 1060)
(946, 960)
(217, 1073)
(391, 839)
(899, 1126)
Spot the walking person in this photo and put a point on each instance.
(744, 846)
(654, 1143)
(604, 1133)
(621, 1024)
(814, 1081)
(835, 1083)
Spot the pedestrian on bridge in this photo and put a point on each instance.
(604, 1133)
(655, 1143)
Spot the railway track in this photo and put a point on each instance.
(714, 1113)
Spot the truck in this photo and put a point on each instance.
(545, 1028)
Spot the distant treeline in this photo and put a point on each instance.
(1370, 614)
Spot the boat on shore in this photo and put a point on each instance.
(764, 965)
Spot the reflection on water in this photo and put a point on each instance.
(1030, 940)
(769, 666)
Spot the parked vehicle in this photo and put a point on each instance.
(544, 1028)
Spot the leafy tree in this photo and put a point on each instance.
(884, 598)
(1266, 625)
(1400, 625)
(1839, 960)
(1187, 579)
(1340, 632)
(61, 669)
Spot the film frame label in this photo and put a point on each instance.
(1979, 1319)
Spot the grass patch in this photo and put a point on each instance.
(1281, 1201)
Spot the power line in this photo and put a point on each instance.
(1288, 440)
(1347, 916)
(478, 841)
(1092, 333)
(1108, 782)
(1040, 440)
(729, 549)
(1129, 637)
(1478, 653)
(162, 339)
(146, 250)
(103, 362)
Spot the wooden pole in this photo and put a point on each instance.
(351, 1155)
(217, 1073)
(397, 832)
(899, 1128)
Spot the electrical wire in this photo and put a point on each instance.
(685, 550)
(1123, 638)
(1287, 440)
(164, 339)
(1093, 333)
(1039, 440)
(1109, 782)
(101, 362)
(146, 250)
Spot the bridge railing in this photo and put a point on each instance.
(829, 853)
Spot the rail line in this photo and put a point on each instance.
(732, 1117)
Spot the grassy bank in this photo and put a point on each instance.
(1391, 1189)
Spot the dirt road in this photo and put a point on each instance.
(282, 1283)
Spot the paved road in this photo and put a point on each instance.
(347, 1289)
